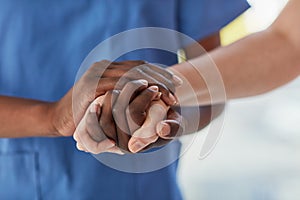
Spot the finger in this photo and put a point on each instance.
(167, 97)
(133, 62)
(99, 67)
(136, 111)
(157, 74)
(81, 129)
(172, 127)
(160, 142)
(80, 147)
(169, 129)
(92, 125)
(166, 73)
(115, 150)
(75, 135)
(159, 78)
(105, 84)
(119, 110)
(147, 133)
(116, 72)
(106, 120)
(128, 63)
(91, 119)
(101, 147)
(89, 134)
(93, 146)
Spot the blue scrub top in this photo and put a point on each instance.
(42, 46)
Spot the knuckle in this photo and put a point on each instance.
(137, 70)
(131, 85)
(122, 81)
(144, 68)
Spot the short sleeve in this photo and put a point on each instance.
(200, 18)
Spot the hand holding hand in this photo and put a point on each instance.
(115, 106)
(105, 135)
(101, 77)
(161, 125)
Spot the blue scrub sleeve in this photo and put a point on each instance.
(200, 18)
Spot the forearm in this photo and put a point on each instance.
(24, 118)
(254, 65)
(251, 66)
(257, 64)
(196, 118)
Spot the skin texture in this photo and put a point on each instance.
(26, 118)
(129, 133)
(174, 125)
(254, 65)
(37, 118)
(251, 66)
(137, 119)
(98, 134)
(147, 133)
(262, 57)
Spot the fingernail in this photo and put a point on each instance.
(163, 129)
(177, 80)
(172, 98)
(144, 82)
(154, 88)
(136, 147)
(158, 96)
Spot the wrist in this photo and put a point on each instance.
(60, 116)
(47, 115)
(194, 90)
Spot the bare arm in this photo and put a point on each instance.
(208, 44)
(253, 65)
(20, 117)
(25, 118)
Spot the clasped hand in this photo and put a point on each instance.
(133, 108)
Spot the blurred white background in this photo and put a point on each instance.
(258, 155)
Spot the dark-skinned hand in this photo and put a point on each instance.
(101, 77)
(164, 81)
(131, 107)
